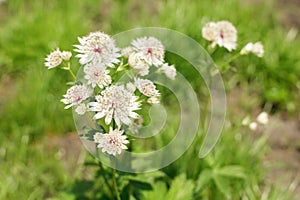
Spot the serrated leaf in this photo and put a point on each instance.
(204, 178)
(158, 192)
(181, 189)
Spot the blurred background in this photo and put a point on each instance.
(41, 156)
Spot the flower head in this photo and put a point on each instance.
(153, 100)
(54, 59)
(151, 49)
(146, 87)
(113, 142)
(221, 33)
(66, 55)
(115, 102)
(75, 95)
(256, 48)
(169, 70)
(81, 109)
(253, 126)
(97, 75)
(263, 118)
(98, 48)
(137, 62)
(127, 51)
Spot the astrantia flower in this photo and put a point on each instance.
(127, 51)
(209, 31)
(54, 59)
(253, 126)
(137, 62)
(115, 102)
(256, 48)
(113, 142)
(66, 55)
(151, 48)
(98, 48)
(97, 75)
(130, 87)
(81, 109)
(153, 100)
(75, 95)
(263, 118)
(169, 70)
(146, 87)
(221, 33)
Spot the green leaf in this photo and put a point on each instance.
(181, 189)
(223, 185)
(158, 192)
(234, 171)
(203, 180)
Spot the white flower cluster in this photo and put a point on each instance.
(261, 119)
(146, 52)
(101, 96)
(56, 57)
(221, 33)
(224, 34)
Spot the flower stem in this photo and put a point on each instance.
(115, 184)
(105, 178)
(230, 60)
(71, 72)
(68, 68)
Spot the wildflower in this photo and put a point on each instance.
(66, 55)
(151, 48)
(54, 59)
(75, 95)
(153, 100)
(130, 87)
(246, 121)
(221, 33)
(263, 118)
(115, 102)
(113, 142)
(97, 137)
(146, 87)
(169, 70)
(98, 48)
(137, 62)
(97, 75)
(81, 109)
(127, 51)
(253, 126)
(256, 48)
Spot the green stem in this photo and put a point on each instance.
(230, 60)
(115, 184)
(68, 68)
(105, 178)
(71, 72)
